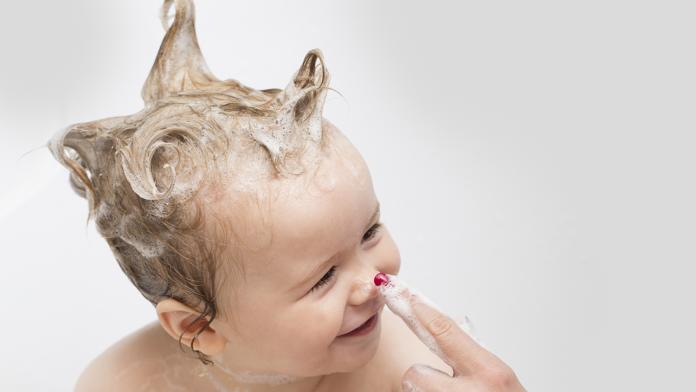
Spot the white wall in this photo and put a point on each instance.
(534, 160)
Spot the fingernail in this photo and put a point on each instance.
(406, 386)
(423, 369)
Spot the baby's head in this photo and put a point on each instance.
(244, 216)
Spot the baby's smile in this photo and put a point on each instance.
(365, 328)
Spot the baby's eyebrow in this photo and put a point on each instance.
(332, 259)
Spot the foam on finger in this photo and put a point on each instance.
(397, 296)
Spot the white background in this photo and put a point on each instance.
(534, 160)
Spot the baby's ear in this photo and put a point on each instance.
(183, 324)
(179, 64)
(306, 92)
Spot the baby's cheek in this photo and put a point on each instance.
(314, 330)
(309, 339)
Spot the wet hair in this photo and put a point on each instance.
(149, 176)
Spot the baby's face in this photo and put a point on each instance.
(310, 280)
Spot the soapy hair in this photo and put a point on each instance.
(149, 176)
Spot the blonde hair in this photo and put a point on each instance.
(148, 176)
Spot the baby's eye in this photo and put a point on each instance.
(371, 232)
(325, 279)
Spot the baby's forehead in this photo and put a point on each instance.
(295, 219)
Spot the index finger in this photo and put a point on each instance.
(434, 328)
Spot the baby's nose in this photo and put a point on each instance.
(364, 290)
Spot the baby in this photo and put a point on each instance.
(250, 222)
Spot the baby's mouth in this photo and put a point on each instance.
(366, 325)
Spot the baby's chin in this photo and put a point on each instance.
(341, 356)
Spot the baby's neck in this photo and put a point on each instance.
(223, 382)
(336, 382)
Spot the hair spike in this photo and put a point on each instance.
(164, 14)
(179, 64)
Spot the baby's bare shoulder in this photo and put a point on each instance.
(404, 349)
(139, 361)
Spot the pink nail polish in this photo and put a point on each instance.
(381, 279)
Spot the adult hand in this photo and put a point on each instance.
(474, 368)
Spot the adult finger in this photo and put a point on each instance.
(437, 331)
(458, 349)
(422, 378)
